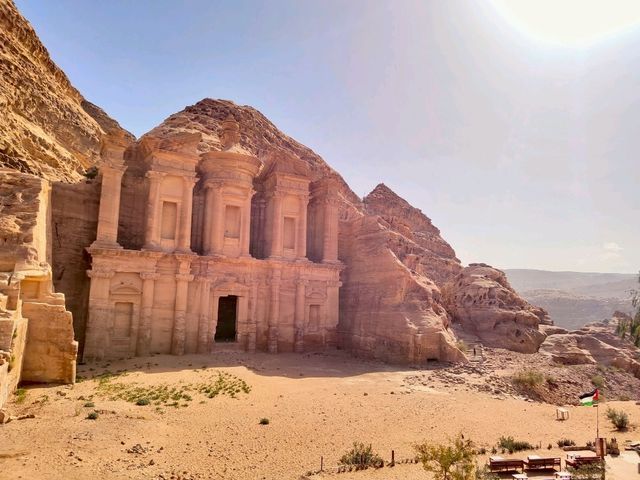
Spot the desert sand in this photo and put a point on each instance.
(317, 405)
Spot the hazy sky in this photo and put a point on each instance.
(523, 150)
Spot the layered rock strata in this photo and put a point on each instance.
(595, 343)
(48, 128)
(485, 305)
(36, 332)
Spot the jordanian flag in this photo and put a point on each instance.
(590, 398)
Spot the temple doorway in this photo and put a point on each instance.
(227, 318)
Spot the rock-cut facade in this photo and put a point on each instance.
(226, 250)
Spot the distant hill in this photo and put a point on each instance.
(575, 298)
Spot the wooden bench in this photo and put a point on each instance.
(577, 462)
(505, 464)
(543, 463)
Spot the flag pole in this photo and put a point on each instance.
(597, 420)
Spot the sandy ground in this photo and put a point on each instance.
(317, 405)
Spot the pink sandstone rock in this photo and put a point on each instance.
(486, 305)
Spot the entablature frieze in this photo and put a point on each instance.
(101, 273)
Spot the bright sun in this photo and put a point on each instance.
(574, 23)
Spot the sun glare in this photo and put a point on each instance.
(571, 23)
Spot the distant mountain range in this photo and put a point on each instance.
(575, 298)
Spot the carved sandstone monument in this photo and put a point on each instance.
(213, 227)
(226, 250)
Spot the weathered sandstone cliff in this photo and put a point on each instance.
(486, 305)
(48, 128)
(392, 304)
(594, 343)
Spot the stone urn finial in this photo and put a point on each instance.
(230, 135)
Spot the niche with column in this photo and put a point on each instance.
(170, 205)
(124, 300)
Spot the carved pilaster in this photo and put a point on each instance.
(179, 330)
(109, 212)
(98, 315)
(184, 237)
(274, 313)
(301, 285)
(152, 235)
(144, 332)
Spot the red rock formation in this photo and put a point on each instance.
(487, 306)
(594, 343)
(396, 261)
(48, 128)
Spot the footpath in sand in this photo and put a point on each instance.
(317, 405)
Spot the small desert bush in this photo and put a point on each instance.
(528, 379)
(588, 472)
(565, 442)
(222, 383)
(89, 405)
(92, 416)
(264, 421)
(361, 456)
(444, 461)
(597, 381)
(618, 418)
(508, 443)
(21, 395)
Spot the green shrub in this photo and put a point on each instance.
(508, 443)
(143, 401)
(89, 405)
(457, 458)
(618, 418)
(21, 395)
(92, 416)
(361, 456)
(565, 442)
(597, 381)
(528, 379)
(264, 421)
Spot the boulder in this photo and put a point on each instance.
(485, 305)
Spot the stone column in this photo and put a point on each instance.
(214, 321)
(274, 313)
(301, 242)
(253, 322)
(98, 320)
(275, 221)
(245, 233)
(152, 235)
(299, 315)
(144, 333)
(208, 213)
(216, 232)
(109, 213)
(330, 231)
(179, 327)
(184, 237)
(332, 312)
(204, 318)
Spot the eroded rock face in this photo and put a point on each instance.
(35, 328)
(486, 305)
(48, 128)
(594, 343)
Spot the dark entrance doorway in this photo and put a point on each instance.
(227, 312)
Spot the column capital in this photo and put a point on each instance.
(190, 180)
(184, 277)
(213, 184)
(100, 273)
(302, 281)
(155, 175)
(149, 275)
(113, 168)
